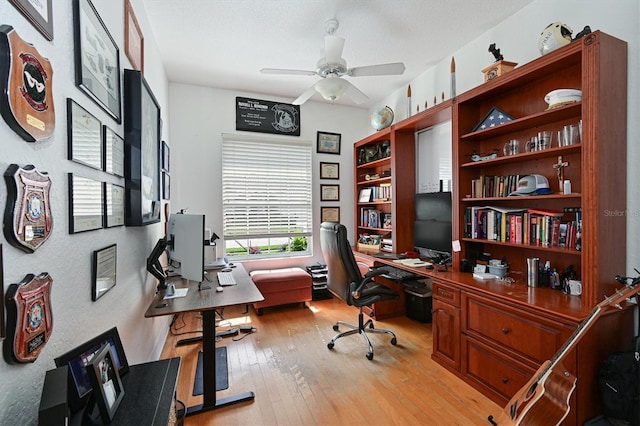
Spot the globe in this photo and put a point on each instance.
(382, 118)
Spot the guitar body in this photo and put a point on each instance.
(26, 88)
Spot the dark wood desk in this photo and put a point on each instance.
(206, 302)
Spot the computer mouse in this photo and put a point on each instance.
(226, 270)
(428, 266)
(219, 288)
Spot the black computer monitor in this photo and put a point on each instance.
(433, 225)
(185, 245)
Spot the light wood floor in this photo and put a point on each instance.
(298, 381)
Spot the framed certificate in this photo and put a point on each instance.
(328, 143)
(85, 204)
(104, 271)
(329, 170)
(84, 136)
(113, 152)
(39, 13)
(329, 192)
(113, 205)
(330, 214)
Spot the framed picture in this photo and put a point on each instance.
(133, 39)
(103, 271)
(365, 195)
(330, 214)
(39, 13)
(105, 383)
(97, 58)
(113, 152)
(113, 205)
(329, 192)
(328, 143)
(78, 358)
(165, 156)
(85, 204)
(329, 170)
(142, 147)
(84, 136)
(166, 186)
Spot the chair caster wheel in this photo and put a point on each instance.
(370, 356)
(371, 325)
(394, 341)
(336, 328)
(330, 345)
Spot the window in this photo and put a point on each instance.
(266, 197)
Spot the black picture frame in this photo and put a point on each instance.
(105, 383)
(86, 204)
(329, 192)
(165, 156)
(330, 214)
(84, 136)
(328, 143)
(329, 170)
(77, 359)
(113, 152)
(114, 201)
(142, 151)
(36, 15)
(166, 186)
(97, 59)
(103, 270)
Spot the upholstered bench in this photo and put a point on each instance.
(281, 287)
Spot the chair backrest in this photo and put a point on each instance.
(342, 269)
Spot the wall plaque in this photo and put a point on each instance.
(254, 115)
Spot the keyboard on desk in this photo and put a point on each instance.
(400, 275)
(226, 278)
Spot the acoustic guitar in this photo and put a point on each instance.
(544, 400)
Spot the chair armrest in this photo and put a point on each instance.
(366, 279)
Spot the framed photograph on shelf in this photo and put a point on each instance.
(165, 156)
(166, 186)
(105, 383)
(365, 195)
(113, 205)
(97, 58)
(85, 204)
(330, 214)
(329, 170)
(84, 136)
(142, 147)
(329, 192)
(113, 152)
(103, 271)
(133, 39)
(328, 143)
(39, 13)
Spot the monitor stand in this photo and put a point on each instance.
(218, 263)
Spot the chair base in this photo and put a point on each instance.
(362, 328)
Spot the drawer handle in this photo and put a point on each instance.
(504, 380)
(505, 330)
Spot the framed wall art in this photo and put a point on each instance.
(329, 192)
(329, 170)
(105, 383)
(97, 58)
(330, 214)
(39, 13)
(114, 200)
(165, 156)
(103, 271)
(142, 148)
(328, 143)
(113, 152)
(133, 39)
(85, 204)
(166, 186)
(84, 136)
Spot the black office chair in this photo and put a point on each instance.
(347, 283)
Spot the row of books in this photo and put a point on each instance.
(375, 193)
(494, 186)
(373, 218)
(524, 226)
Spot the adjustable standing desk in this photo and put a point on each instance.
(206, 302)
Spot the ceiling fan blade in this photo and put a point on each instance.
(356, 94)
(305, 96)
(333, 46)
(286, 71)
(395, 68)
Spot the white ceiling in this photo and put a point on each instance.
(225, 43)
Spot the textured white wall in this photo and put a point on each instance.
(67, 258)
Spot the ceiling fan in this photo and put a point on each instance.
(332, 67)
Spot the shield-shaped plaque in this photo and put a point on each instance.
(26, 87)
(29, 318)
(27, 216)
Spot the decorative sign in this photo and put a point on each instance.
(27, 218)
(26, 92)
(29, 318)
(254, 115)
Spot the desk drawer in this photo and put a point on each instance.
(446, 293)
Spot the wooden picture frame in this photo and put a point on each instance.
(329, 192)
(142, 148)
(114, 201)
(328, 143)
(105, 383)
(103, 271)
(330, 214)
(84, 136)
(133, 38)
(97, 59)
(113, 152)
(329, 170)
(40, 14)
(86, 207)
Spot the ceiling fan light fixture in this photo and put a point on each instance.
(331, 88)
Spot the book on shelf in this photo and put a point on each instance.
(494, 186)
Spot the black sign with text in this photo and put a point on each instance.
(254, 115)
